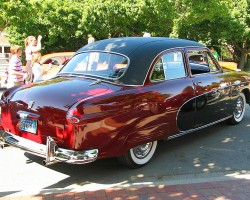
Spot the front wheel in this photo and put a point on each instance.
(139, 156)
(239, 110)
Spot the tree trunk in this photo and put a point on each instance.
(242, 60)
(247, 67)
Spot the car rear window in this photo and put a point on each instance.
(98, 64)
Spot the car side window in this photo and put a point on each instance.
(169, 66)
(200, 61)
(213, 67)
(158, 72)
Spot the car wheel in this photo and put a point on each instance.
(139, 156)
(239, 111)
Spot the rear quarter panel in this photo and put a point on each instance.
(118, 121)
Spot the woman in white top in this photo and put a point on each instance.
(37, 68)
(31, 46)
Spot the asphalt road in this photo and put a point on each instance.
(220, 152)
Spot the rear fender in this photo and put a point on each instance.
(140, 137)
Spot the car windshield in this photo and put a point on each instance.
(98, 64)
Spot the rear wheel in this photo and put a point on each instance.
(239, 110)
(139, 156)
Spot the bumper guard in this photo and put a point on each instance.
(50, 151)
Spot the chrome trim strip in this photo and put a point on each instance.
(216, 72)
(183, 49)
(196, 129)
(50, 151)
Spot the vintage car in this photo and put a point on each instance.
(53, 62)
(229, 65)
(119, 97)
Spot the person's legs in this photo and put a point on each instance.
(28, 69)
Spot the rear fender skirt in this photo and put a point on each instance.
(186, 112)
(246, 92)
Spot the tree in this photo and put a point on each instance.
(66, 24)
(238, 30)
(128, 18)
(224, 22)
(15, 14)
(56, 21)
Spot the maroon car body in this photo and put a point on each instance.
(118, 97)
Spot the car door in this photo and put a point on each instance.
(212, 90)
(174, 90)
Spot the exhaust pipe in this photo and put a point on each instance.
(45, 163)
(1, 145)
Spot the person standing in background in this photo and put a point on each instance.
(15, 71)
(37, 68)
(146, 34)
(91, 39)
(216, 55)
(31, 45)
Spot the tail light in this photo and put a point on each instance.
(73, 120)
(74, 115)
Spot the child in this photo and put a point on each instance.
(15, 71)
(37, 68)
(31, 46)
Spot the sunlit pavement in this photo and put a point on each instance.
(216, 190)
(210, 164)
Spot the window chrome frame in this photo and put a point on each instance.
(96, 76)
(160, 55)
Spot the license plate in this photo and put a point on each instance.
(28, 125)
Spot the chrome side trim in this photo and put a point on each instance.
(178, 48)
(50, 151)
(196, 129)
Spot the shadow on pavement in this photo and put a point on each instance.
(218, 149)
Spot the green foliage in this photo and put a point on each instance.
(217, 23)
(128, 18)
(65, 24)
(56, 21)
(16, 17)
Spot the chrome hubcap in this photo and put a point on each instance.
(239, 108)
(142, 151)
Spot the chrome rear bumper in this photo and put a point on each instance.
(50, 151)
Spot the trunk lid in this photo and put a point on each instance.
(42, 107)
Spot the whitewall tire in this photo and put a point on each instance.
(139, 156)
(239, 111)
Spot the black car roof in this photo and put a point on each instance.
(141, 52)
